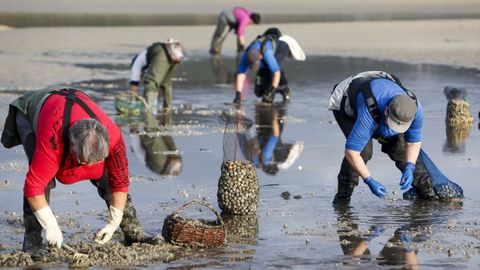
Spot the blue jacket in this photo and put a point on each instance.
(268, 59)
(365, 126)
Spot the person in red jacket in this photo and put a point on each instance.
(68, 138)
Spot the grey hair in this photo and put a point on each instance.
(89, 140)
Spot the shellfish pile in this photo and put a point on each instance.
(459, 121)
(238, 189)
(458, 113)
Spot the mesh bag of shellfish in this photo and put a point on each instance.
(443, 187)
(238, 189)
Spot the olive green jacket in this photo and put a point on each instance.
(27, 104)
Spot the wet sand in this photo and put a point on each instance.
(464, 8)
(53, 59)
(303, 230)
(51, 53)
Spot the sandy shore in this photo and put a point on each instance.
(464, 8)
(50, 53)
(33, 57)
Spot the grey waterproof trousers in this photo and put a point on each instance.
(225, 24)
(394, 147)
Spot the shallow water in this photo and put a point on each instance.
(302, 231)
(49, 19)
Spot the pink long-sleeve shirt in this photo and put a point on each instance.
(242, 16)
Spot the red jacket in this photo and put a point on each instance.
(49, 150)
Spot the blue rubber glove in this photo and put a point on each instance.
(407, 176)
(267, 150)
(375, 231)
(405, 237)
(375, 187)
(256, 161)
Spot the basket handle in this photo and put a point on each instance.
(204, 203)
(141, 98)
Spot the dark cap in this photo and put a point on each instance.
(273, 31)
(253, 58)
(401, 112)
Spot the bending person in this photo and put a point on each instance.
(68, 138)
(266, 55)
(237, 18)
(156, 65)
(375, 105)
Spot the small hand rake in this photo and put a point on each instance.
(76, 254)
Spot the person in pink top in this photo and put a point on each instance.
(237, 18)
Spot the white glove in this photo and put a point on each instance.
(114, 219)
(53, 234)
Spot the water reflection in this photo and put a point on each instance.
(402, 247)
(458, 119)
(157, 147)
(241, 229)
(224, 71)
(265, 146)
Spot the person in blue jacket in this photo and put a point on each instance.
(266, 55)
(375, 105)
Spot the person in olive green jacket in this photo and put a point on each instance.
(159, 150)
(156, 65)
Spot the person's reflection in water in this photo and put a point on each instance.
(160, 152)
(424, 215)
(400, 250)
(352, 242)
(224, 74)
(266, 148)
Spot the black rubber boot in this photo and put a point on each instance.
(341, 199)
(131, 228)
(345, 190)
(238, 98)
(268, 97)
(286, 94)
(213, 52)
(32, 241)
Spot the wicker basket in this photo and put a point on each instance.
(194, 232)
(130, 103)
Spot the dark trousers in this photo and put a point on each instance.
(394, 147)
(263, 82)
(33, 229)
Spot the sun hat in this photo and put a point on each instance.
(401, 112)
(295, 49)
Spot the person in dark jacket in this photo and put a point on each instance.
(266, 55)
